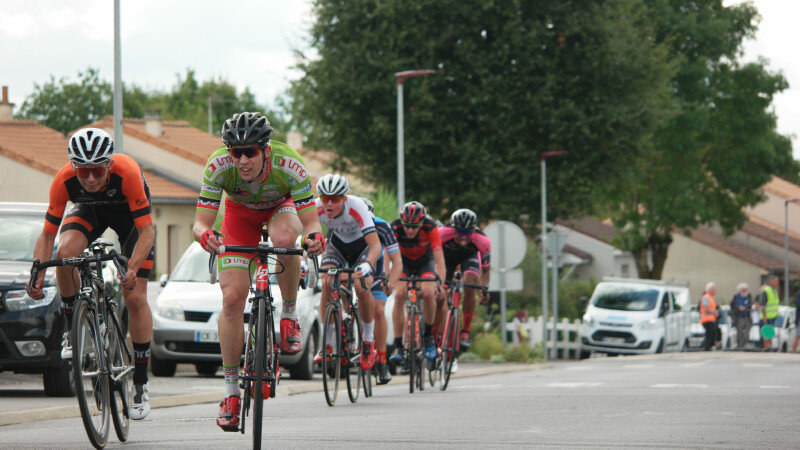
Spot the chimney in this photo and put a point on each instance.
(152, 122)
(6, 109)
(294, 139)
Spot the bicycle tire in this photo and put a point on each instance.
(411, 348)
(354, 373)
(421, 360)
(259, 372)
(119, 390)
(450, 347)
(331, 366)
(91, 385)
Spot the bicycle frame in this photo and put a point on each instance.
(413, 332)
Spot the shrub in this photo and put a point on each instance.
(486, 345)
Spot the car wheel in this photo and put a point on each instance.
(206, 369)
(162, 368)
(660, 348)
(304, 369)
(585, 354)
(58, 381)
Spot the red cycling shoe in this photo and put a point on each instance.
(291, 338)
(228, 418)
(368, 355)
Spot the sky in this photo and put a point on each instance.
(250, 43)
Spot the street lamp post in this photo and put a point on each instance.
(545, 155)
(786, 249)
(401, 176)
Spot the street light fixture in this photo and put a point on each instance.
(786, 249)
(401, 180)
(545, 155)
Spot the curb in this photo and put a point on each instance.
(169, 401)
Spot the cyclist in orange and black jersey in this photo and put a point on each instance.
(421, 249)
(109, 191)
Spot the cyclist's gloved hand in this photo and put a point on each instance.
(314, 243)
(365, 268)
(210, 240)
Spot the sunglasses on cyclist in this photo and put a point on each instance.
(96, 171)
(411, 225)
(331, 198)
(464, 233)
(250, 152)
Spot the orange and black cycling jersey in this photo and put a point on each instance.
(126, 186)
(423, 244)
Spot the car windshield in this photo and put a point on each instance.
(18, 235)
(193, 267)
(625, 298)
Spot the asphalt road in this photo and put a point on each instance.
(697, 400)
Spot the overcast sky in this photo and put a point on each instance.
(249, 43)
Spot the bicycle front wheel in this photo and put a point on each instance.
(120, 378)
(449, 347)
(353, 370)
(91, 384)
(412, 348)
(259, 372)
(332, 363)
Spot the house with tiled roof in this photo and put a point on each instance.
(31, 154)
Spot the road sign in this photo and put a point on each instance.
(506, 279)
(508, 244)
(555, 243)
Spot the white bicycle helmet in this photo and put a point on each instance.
(333, 184)
(90, 146)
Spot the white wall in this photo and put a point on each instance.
(774, 211)
(23, 183)
(608, 261)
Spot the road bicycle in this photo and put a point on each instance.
(341, 311)
(101, 358)
(412, 338)
(260, 372)
(449, 344)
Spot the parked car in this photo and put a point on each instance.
(634, 316)
(697, 332)
(784, 332)
(186, 312)
(31, 330)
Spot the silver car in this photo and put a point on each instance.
(185, 315)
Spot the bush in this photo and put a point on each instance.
(486, 345)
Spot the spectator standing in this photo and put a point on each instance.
(709, 313)
(741, 306)
(796, 321)
(769, 302)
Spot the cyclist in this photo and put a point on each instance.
(465, 245)
(379, 293)
(265, 184)
(421, 250)
(108, 190)
(352, 242)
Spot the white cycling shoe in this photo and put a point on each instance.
(140, 402)
(66, 346)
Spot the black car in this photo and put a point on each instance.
(31, 330)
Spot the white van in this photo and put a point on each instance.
(634, 316)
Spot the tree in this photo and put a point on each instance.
(707, 161)
(65, 106)
(513, 79)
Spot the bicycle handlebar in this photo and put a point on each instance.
(120, 262)
(333, 271)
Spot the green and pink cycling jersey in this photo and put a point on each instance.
(284, 188)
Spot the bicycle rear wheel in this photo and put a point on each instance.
(259, 370)
(91, 384)
(353, 370)
(120, 378)
(449, 346)
(331, 364)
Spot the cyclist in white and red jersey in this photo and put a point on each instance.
(352, 242)
(465, 245)
(265, 183)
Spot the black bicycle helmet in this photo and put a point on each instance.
(247, 128)
(412, 213)
(464, 220)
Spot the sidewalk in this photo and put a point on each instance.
(285, 388)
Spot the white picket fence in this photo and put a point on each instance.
(567, 341)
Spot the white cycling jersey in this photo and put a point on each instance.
(354, 222)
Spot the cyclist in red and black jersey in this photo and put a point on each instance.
(109, 191)
(421, 251)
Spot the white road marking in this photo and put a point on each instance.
(673, 386)
(475, 386)
(695, 364)
(775, 387)
(756, 365)
(573, 384)
(638, 366)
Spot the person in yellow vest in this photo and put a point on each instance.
(769, 306)
(709, 313)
